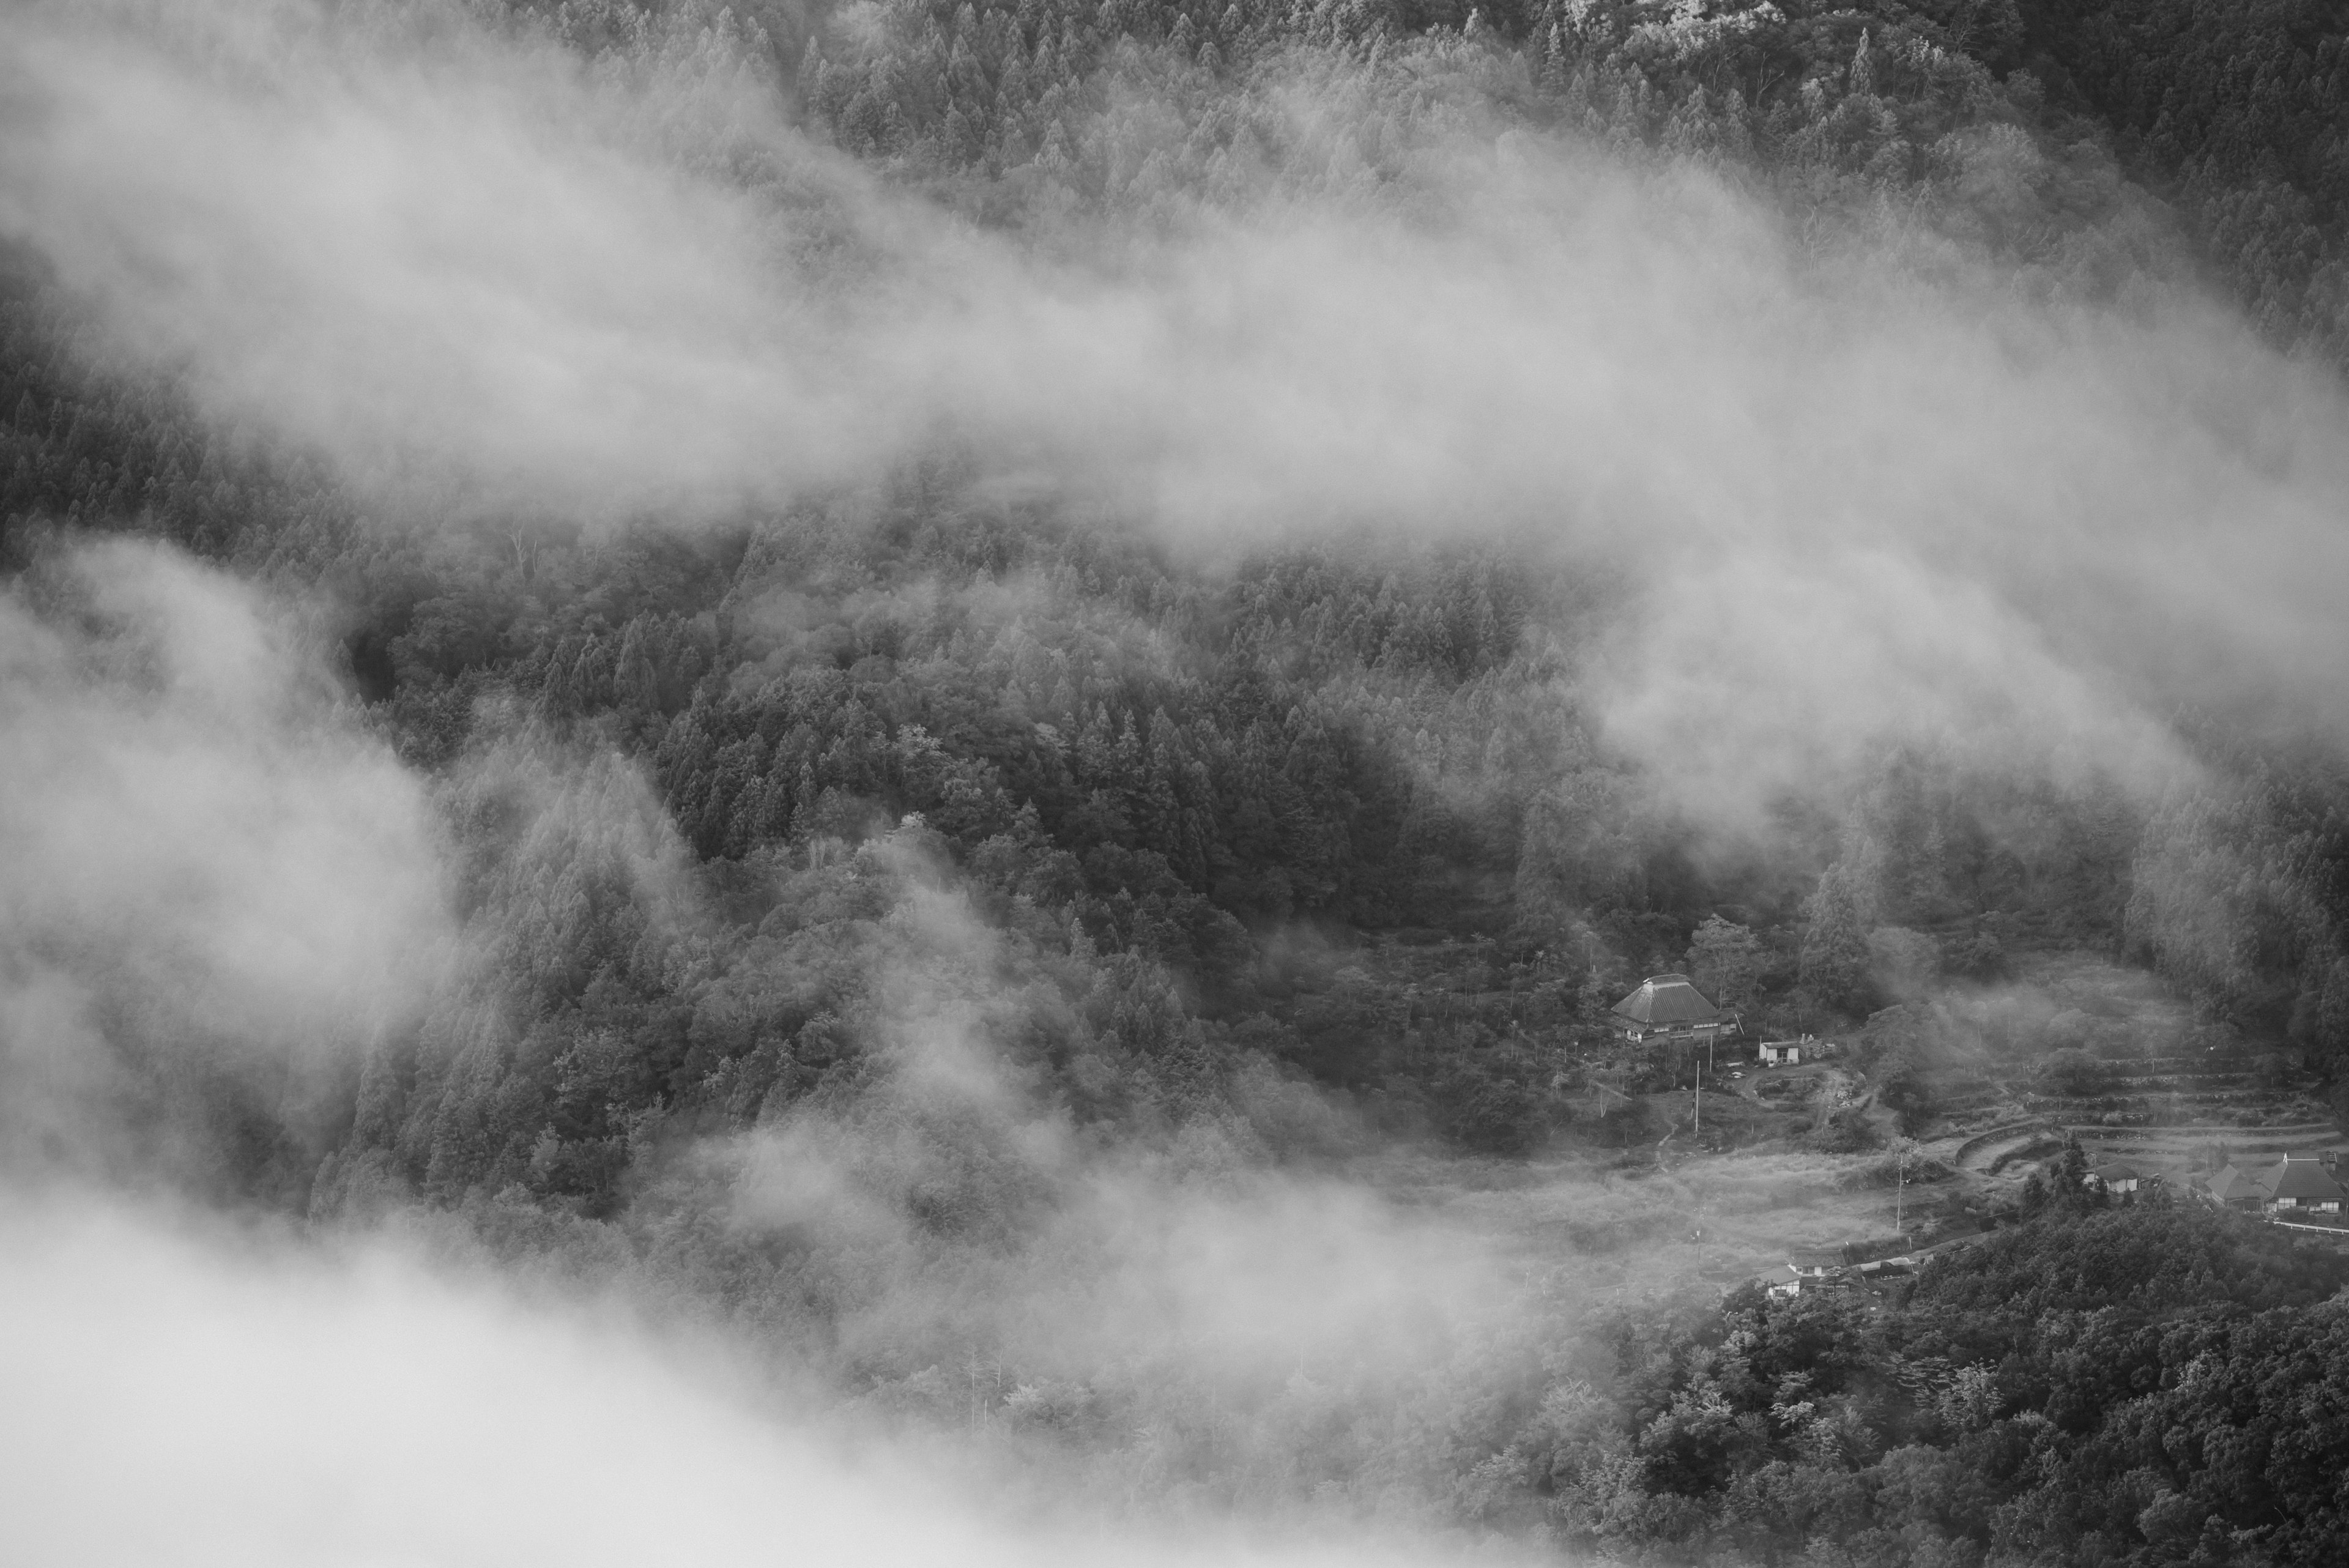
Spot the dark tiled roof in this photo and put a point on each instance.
(2231, 1184)
(2115, 1170)
(1667, 999)
(2302, 1175)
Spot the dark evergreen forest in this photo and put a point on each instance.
(1305, 846)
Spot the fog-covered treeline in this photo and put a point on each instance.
(890, 682)
(1185, 765)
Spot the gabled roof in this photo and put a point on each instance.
(2302, 1176)
(1667, 999)
(2231, 1184)
(2115, 1170)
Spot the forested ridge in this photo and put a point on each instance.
(2146, 1387)
(1175, 768)
(1261, 858)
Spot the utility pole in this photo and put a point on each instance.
(1900, 1188)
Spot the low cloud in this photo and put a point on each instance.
(266, 1402)
(1852, 487)
(263, 1405)
(1845, 495)
(209, 865)
(957, 1206)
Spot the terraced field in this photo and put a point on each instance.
(2181, 1119)
(2017, 1158)
(2174, 1097)
(1988, 1151)
(2206, 1146)
(2192, 1132)
(1765, 1175)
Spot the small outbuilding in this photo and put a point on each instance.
(2116, 1176)
(1782, 1053)
(1810, 1266)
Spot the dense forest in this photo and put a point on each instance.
(1260, 857)
(2148, 1386)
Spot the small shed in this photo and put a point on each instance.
(1782, 1053)
(2116, 1176)
(1810, 1266)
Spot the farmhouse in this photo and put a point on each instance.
(2234, 1188)
(2300, 1184)
(2118, 1176)
(1670, 1006)
(2297, 1186)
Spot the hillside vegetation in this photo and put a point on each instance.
(1251, 857)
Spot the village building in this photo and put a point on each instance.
(1784, 1053)
(1670, 1007)
(2297, 1186)
(2118, 1176)
(2302, 1184)
(2234, 1188)
(1812, 1266)
(1820, 1268)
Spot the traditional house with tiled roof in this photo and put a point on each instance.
(2302, 1184)
(2234, 1188)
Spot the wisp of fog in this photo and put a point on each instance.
(440, 255)
(201, 848)
(264, 1407)
(1846, 489)
(215, 870)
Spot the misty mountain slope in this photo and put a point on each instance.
(2238, 114)
(939, 734)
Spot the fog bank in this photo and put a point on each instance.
(209, 868)
(1858, 487)
(201, 1395)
